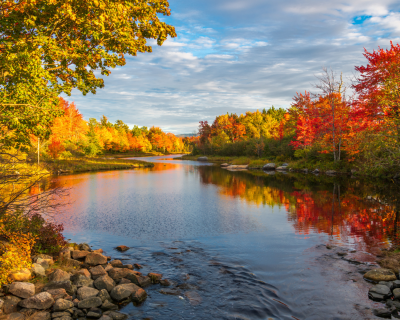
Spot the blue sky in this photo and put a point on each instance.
(240, 55)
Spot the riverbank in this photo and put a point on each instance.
(84, 164)
(340, 168)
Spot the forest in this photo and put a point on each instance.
(340, 125)
(72, 136)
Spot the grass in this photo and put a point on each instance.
(253, 162)
(85, 164)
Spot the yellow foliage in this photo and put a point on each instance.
(16, 254)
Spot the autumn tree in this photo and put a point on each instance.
(52, 46)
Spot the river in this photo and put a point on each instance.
(240, 245)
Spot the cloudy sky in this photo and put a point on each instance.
(239, 55)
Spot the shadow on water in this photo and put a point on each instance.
(236, 245)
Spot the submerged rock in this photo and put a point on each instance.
(124, 291)
(122, 248)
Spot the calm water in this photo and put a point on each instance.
(246, 245)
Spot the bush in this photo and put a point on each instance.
(15, 250)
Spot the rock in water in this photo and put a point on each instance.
(380, 274)
(383, 313)
(41, 301)
(123, 291)
(155, 277)
(194, 297)
(379, 292)
(22, 289)
(122, 248)
(139, 295)
(269, 166)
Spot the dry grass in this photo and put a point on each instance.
(391, 260)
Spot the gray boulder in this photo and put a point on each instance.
(104, 295)
(10, 304)
(79, 254)
(285, 164)
(123, 291)
(116, 263)
(269, 166)
(38, 270)
(66, 285)
(139, 295)
(396, 294)
(84, 247)
(380, 274)
(143, 281)
(116, 315)
(41, 315)
(107, 305)
(59, 275)
(94, 259)
(62, 304)
(93, 302)
(22, 289)
(381, 290)
(97, 272)
(41, 301)
(79, 280)
(104, 282)
(105, 317)
(60, 314)
(118, 273)
(282, 168)
(86, 293)
(58, 294)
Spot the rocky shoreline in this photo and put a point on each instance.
(96, 288)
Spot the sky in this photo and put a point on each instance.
(240, 55)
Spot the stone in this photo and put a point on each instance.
(124, 281)
(224, 165)
(84, 247)
(13, 316)
(65, 318)
(41, 315)
(65, 254)
(380, 274)
(95, 259)
(138, 266)
(139, 295)
(389, 284)
(193, 297)
(59, 275)
(123, 291)
(305, 170)
(86, 293)
(122, 248)
(104, 295)
(171, 292)
(316, 171)
(58, 294)
(396, 293)
(107, 305)
(97, 272)
(40, 301)
(330, 172)
(93, 302)
(79, 280)
(285, 164)
(98, 251)
(22, 289)
(376, 297)
(60, 314)
(269, 166)
(155, 277)
(62, 304)
(381, 289)
(66, 285)
(116, 263)
(105, 317)
(93, 315)
(1, 304)
(10, 304)
(75, 301)
(118, 273)
(84, 272)
(383, 313)
(37, 270)
(20, 275)
(128, 266)
(108, 267)
(144, 281)
(116, 315)
(202, 159)
(78, 313)
(165, 282)
(78, 254)
(396, 284)
(281, 168)
(104, 282)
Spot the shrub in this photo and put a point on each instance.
(15, 250)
